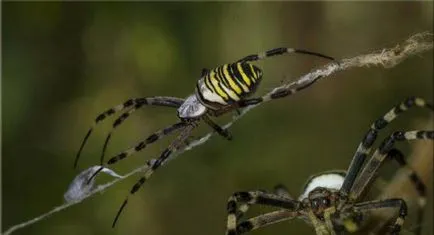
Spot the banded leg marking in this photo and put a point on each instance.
(419, 185)
(369, 171)
(280, 190)
(417, 182)
(265, 220)
(280, 51)
(157, 101)
(364, 147)
(250, 198)
(277, 94)
(152, 167)
(116, 123)
(141, 145)
(386, 151)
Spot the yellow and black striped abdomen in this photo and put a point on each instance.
(228, 83)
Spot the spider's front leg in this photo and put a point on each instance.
(328, 219)
(319, 226)
(236, 211)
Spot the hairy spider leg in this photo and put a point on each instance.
(364, 147)
(158, 101)
(173, 147)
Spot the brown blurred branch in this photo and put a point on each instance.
(386, 58)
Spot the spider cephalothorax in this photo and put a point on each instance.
(320, 199)
(331, 201)
(218, 91)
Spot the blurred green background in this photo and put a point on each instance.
(64, 63)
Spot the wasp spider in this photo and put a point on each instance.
(218, 91)
(330, 201)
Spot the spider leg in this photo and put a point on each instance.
(223, 132)
(141, 145)
(254, 197)
(419, 185)
(364, 147)
(279, 190)
(394, 203)
(327, 218)
(320, 227)
(131, 103)
(173, 147)
(368, 172)
(384, 152)
(125, 115)
(276, 94)
(280, 51)
(265, 220)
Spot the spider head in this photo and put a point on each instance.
(321, 191)
(320, 199)
(191, 109)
